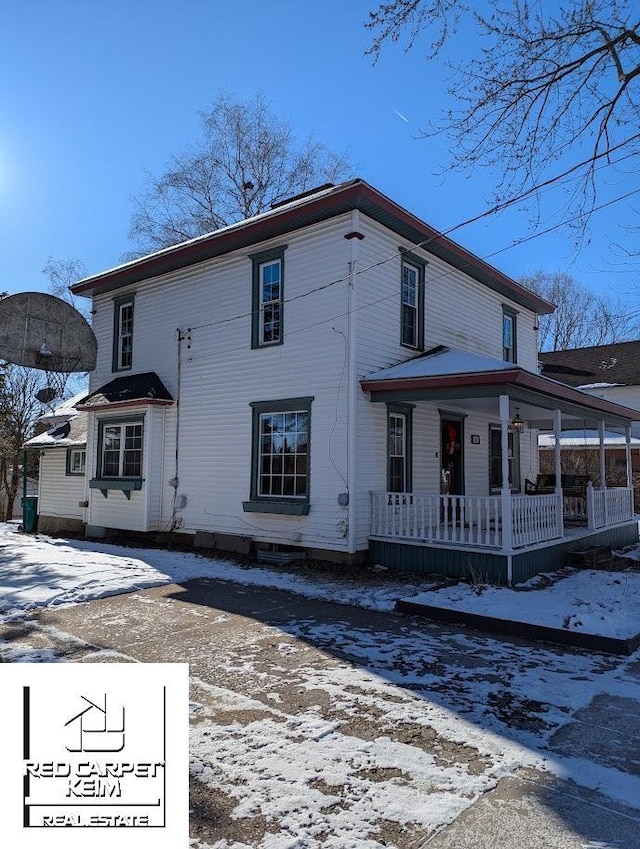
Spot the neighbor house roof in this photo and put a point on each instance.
(302, 211)
(585, 439)
(597, 366)
(65, 434)
(127, 391)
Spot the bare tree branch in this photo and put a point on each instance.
(247, 159)
(549, 89)
(581, 318)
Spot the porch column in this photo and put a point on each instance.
(627, 432)
(603, 471)
(557, 427)
(557, 456)
(603, 467)
(505, 492)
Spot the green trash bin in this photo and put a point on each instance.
(30, 514)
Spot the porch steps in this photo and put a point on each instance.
(592, 557)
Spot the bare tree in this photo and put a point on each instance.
(246, 159)
(62, 274)
(581, 318)
(19, 411)
(549, 95)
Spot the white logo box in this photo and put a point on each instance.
(95, 753)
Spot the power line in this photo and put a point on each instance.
(546, 185)
(395, 294)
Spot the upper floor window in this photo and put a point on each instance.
(509, 350)
(412, 302)
(123, 333)
(120, 452)
(268, 298)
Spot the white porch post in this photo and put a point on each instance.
(627, 433)
(603, 470)
(505, 492)
(557, 456)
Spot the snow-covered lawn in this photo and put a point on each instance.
(38, 571)
(587, 601)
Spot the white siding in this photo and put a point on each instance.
(217, 374)
(460, 312)
(59, 494)
(220, 374)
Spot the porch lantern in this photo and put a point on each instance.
(516, 422)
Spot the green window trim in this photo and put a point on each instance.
(403, 413)
(412, 308)
(263, 459)
(123, 323)
(266, 333)
(69, 465)
(122, 423)
(509, 337)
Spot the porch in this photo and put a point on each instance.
(489, 520)
(460, 536)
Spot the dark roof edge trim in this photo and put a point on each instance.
(515, 377)
(355, 194)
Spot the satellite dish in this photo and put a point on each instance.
(46, 395)
(40, 331)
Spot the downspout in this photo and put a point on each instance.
(175, 481)
(355, 237)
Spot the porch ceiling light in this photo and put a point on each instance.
(516, 422)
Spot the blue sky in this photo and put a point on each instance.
(95, 93)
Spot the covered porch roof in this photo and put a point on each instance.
(450, 374)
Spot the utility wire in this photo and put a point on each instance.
(393, 295)
(551, 183)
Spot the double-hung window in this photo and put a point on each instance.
(399, 448)
(123, 333)
(280, 481)
(412, 301)
(267, 325)
(495, 458)
(120, 454)
(509, 350)
(76, 461)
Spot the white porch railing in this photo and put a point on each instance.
(464, 520)
(461, 519)
(536, 518)
(609, 506)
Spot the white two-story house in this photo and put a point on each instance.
(332, 376)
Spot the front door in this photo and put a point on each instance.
(451, 456)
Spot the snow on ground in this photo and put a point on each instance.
(402, 724)
(586, 601)
(37, 571)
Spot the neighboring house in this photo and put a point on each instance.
(335, 377)
(611, 372)
(62, 480)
